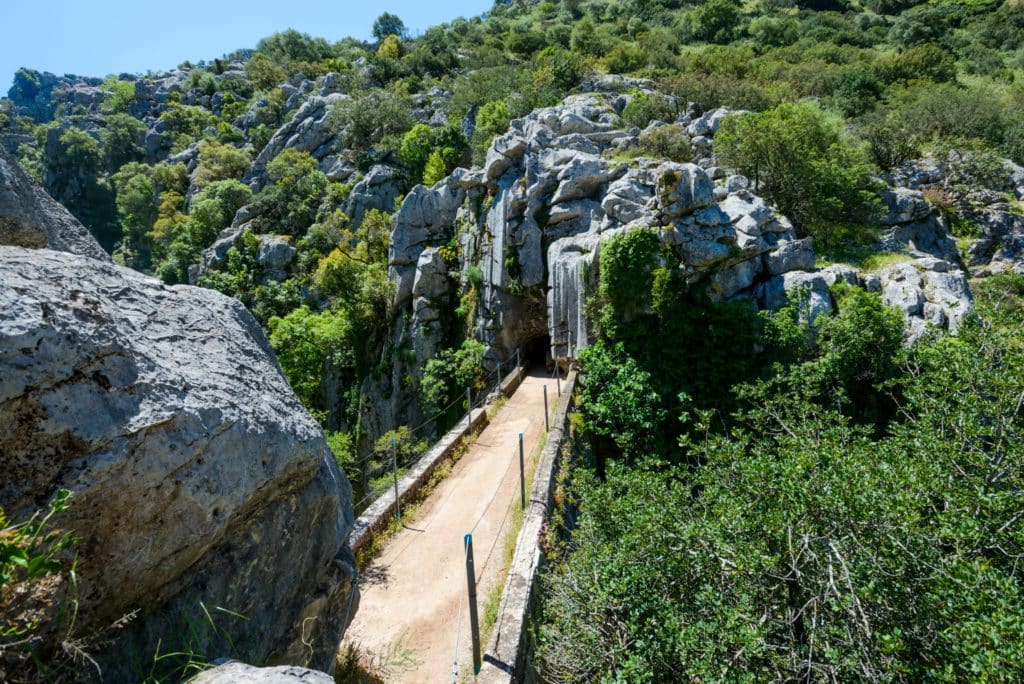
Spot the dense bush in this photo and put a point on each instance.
(804, 544)
(799, 157)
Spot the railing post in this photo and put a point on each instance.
(522, 474)
(474, 621)
(469, 407)
(547, 425)
(519, 361)
(394, 469)
(558, 378)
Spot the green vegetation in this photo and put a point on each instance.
(38, 593)
(853, 517)
(799, 157)
(764, 501)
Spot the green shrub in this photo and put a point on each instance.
(666, 142)
(644, 108)
(716, 21)
(800, 158)
(618, 400)
(446, 376)
(38, 603)
(118, 95)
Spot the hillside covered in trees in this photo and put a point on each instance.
(802, 432)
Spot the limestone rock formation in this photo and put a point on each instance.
(530, 223)
(378, 189)
(240, 673)
(199, 479)
(1001, 246)
(308, 130)
(31, 218)
(928, 290)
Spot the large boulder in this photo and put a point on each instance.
(378, 189)
(240, 673)
(198, 479)
(929, 291)
(31, 218)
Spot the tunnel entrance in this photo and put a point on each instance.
(537, 352)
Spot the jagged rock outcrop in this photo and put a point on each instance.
(928, 290)
(529, 226)
(530, 223)
(309, 130)
(1001, 245)
(198, 477)
(31, 218)
(378, 189)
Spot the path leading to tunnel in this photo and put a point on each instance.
(413, 594)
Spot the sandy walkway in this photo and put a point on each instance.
(411, 594)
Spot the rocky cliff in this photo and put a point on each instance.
(203, 492)
(530, 223)
(31, 218)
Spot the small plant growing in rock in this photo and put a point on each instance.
(36, 591)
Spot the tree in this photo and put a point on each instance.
(368, 119)
(289, 204)
(122, 140)
(619, 401)
(218, 162)
(806, 547)
(305, 343)
(447, 375)
(435, 169)
(118, 95)
(388, 24)
(422, 144)
(801, 159)
(716, 21)
(136, 199)
(293, 46)
(263, 72)
(74, 163)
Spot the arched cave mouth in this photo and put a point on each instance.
(537, 352)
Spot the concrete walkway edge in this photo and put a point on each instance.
(505, 655)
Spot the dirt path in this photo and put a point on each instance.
(409, 610)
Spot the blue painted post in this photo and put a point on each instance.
(474, 620)
(394, 469)
(522, 474)
(547, 422)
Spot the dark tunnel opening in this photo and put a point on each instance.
(537, 352)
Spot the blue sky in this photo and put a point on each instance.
(100, 37)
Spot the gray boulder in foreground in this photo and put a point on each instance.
(31, 218)
(200, 482)
(240, 673)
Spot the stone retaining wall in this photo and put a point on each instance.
(505, 656)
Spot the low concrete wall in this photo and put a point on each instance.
(377, 516)
(505, 656)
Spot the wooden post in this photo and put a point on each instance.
(558, 378)
(522, 474)
(474, 620)
(469, 408)
(394, 469)
(547, 425)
